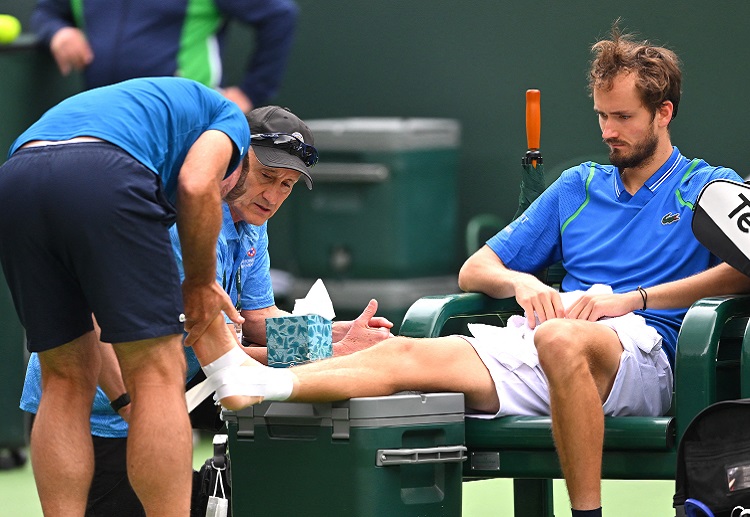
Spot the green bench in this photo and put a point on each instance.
(709, 367)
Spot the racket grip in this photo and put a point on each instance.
(533, 119)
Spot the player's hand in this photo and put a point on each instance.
(203, 302)
(594, 307)
(71, 50)
(538, 300)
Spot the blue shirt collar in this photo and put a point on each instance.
(657, 179)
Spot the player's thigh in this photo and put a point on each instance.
(155, 361)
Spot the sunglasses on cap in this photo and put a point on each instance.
(291, 144)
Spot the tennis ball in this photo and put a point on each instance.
(10, 28)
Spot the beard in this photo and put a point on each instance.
(239, 188)
(642, 152)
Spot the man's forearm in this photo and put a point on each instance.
(199, 212)
(720, 280)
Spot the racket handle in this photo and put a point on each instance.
(533, 119)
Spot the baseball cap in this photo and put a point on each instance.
(275, 119)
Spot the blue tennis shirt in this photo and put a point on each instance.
(155, 120)
(603, 235)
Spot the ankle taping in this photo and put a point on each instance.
(254, 381)
(234, 357)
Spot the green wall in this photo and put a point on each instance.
(473, 61)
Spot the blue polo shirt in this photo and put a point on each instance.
(156, 120)
(242, 249)
(603, 235)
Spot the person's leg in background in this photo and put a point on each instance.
(111, 494)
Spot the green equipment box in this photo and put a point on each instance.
(393, 456)
(385, 200)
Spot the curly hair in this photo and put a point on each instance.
(657, 69)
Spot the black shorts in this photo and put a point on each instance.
(84, 227)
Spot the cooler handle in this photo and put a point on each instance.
(445, 454)
(350, 173)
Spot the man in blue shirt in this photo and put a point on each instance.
(86, 199)
(623, 233)
(116, 41)
(243, 270)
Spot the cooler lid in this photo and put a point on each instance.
(384, 133)
(405, 408)
(404, 405)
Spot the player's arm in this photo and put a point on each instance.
(484, 272)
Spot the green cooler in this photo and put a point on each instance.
(385, 199)
(393, 456)
(381, 221)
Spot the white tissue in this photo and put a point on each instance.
(317, 301)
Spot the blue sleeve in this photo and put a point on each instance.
(174, 236)
(32, 386)
(692, 185)
(49, 16)
(533, 241)
(257, 290)
(274, 23)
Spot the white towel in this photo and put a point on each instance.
(517, 339)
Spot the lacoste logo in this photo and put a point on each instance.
(670, 218)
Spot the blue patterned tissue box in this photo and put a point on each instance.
(294, 340)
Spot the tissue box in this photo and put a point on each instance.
(298, 339)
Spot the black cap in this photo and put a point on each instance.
(275, 119)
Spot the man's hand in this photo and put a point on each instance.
(203, 302)
(71, 50)
(593, 307)
(234, 94)
(538, 299)
(342, 328)
(363, 332)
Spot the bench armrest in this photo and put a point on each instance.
(705, 323)
(427, 316)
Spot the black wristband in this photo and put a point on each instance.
(120, 402)
(644, 296)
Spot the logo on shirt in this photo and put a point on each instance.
(251, 252)
(670, 218)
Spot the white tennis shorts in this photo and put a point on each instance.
(642, 387)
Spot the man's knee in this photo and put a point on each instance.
(560, 347)
(76, 363)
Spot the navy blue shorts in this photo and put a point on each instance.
(84, 228)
